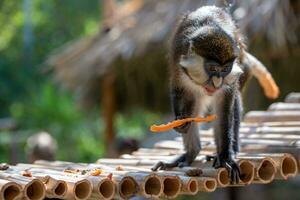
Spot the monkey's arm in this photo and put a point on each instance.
(184, 105)
(224, 134)
(264, 77)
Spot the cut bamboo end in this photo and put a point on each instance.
(34, 190)
(82, 189)
(106, 189)
(127, 187)
(189, 185)
(56, 188)
(153, 186)
(61, 189)
(171, 186)
(221, 175)
(265, 171)
(286, 166)
(206, 184)
(247, 172)
(9, 190)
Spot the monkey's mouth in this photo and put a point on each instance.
(210, 90)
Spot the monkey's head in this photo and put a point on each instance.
(211, 57)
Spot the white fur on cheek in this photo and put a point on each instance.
(195, 67)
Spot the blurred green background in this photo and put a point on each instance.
(31, 30)
(29, 95)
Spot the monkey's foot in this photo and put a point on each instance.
(231, 166)
(181, 161)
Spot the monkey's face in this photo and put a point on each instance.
(211, 60)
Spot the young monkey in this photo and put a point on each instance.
(209, 66)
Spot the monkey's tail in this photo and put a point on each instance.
(263, 76)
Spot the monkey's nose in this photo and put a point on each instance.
(217, 81)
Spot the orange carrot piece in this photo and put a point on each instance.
(179, 122)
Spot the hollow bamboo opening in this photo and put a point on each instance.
(266, 171)
(60, 189)
(289, 167)
(82, 190)
(210, 185)
(171, 187)
(11, 192)
(247, 171)
(106, 189)
(153, 186)
(35, 190)
(193, 186)
(127, 187)
(223, 178)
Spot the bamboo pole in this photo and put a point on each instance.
(126, 186)
(55, 188)
(171, 187)
(9, 190)
(285, 164)
(247, 172)
(220, 175)
(103, 188)
(271, 124)
(293, 97)
(189, 185)
(206, 184)
(264, 168)
(33, 188)
(285, 106)
(150, 185)
(272, 116)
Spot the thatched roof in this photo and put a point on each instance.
(135, 47)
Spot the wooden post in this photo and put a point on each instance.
(108, 106)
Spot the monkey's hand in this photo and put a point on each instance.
(231, 166)
(181, 161)
(184, 127)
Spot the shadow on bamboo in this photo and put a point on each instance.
(34, 190)
(171, 186)
(9, 190)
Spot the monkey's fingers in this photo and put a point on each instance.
(179, 122)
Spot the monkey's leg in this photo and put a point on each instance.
(237, 111)
(184, 106)
(192, 146)
(224, 135)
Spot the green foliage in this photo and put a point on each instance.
(26, 92)
(55, 111)
(135, 123)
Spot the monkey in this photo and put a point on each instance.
(209, 66)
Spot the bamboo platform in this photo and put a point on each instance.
(270, 151)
